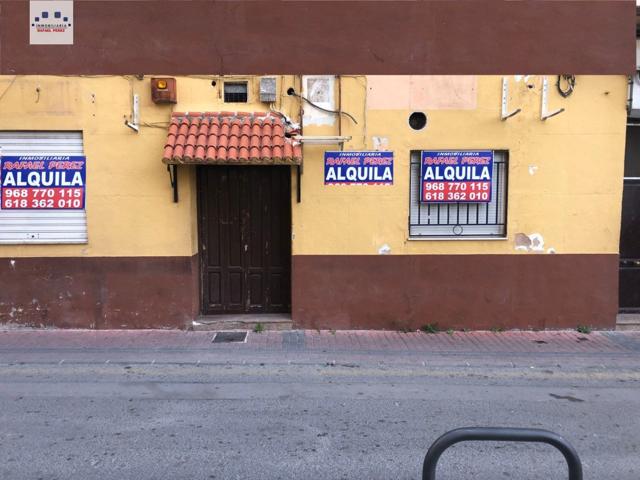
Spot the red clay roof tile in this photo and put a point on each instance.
(297, 150)
(287, 150)
(199, 155)
(230, 137)
(278, 131)
(178, 152)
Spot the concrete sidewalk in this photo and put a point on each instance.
(310, 342)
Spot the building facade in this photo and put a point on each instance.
(314, 196)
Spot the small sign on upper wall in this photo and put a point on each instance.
(51, 22)
(456, 176)
(358, 168)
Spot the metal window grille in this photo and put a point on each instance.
(235, 92)
(455, 220)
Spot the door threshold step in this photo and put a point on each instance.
(268, 321)
(628, 322)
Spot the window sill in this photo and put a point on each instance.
(431, 239)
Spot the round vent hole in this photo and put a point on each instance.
(417, 120)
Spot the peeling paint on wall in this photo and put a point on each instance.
(380, 143)
(533, 169)
(533, 242)
(384, 250)
(318, 89)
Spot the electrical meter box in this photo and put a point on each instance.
(268, 89)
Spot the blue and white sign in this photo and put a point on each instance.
(42, 182)
(358, 168)
(456, 176)
(51, 22)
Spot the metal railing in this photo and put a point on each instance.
(533, 435)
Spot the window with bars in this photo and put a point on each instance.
(235, 92)
(455, 220)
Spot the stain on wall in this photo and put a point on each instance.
(422, 92)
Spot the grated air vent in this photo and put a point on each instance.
(229, 337)
(235, 92)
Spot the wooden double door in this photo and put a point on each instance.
(244, 215)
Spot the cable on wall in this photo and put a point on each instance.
(570, 81)
(292, 92)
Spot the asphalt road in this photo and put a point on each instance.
(262, 417)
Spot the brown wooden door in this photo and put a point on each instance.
(245, 238)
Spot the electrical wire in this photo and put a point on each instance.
(8, 86)
(571, 84)
(335, 112)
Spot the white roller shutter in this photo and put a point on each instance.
(42, 226)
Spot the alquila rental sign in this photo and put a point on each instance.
(38, 182)
(358, 168)
(456, 176)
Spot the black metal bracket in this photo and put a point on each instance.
(173, 178)
(299, 183)
(503, 435)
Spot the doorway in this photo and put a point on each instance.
(244, 216)
(629, 290)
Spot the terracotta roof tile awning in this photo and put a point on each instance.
(230, 138)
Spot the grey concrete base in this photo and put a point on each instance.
(628, 322)
(269, 321)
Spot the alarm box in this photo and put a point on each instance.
(163, 90)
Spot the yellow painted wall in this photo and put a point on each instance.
(129, 202)
(573, 199)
